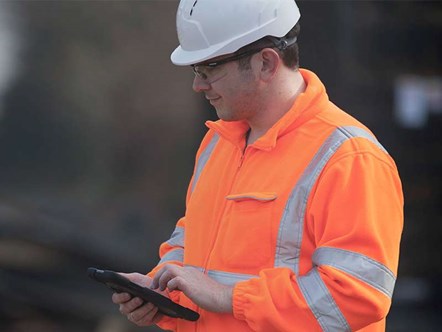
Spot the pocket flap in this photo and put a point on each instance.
(256, 196)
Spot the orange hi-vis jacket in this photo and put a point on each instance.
(305, 223)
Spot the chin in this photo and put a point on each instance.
(226, 115)
(225, 118)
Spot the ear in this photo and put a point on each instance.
(270, 63)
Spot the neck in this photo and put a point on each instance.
(278, 100)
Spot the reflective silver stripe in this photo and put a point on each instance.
(226, 278)
(291, 228)
(177, 237)
(292, 222)
(362, 267)
(352, 132)
(321, 303)
(174, 255)
(202, 160)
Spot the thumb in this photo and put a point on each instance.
(138, 278)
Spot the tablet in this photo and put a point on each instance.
(120, 284)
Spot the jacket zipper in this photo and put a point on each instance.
(241, 160)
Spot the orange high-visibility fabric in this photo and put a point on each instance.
(233, 216)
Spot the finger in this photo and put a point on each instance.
(144, 315)
(151, 316)
(163, 275)
(140, 279)
(157, 317)
(154, 284)
(176, 283)
(119, 298)
(128, 307)
(165, 278)
(156, 280)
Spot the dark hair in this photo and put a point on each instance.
(290, 55)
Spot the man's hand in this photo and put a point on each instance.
(136, 310)
(200, 288)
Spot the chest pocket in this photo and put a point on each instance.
(247, 230)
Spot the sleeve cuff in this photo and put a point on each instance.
(240, 301)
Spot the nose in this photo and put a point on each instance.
(199, 84)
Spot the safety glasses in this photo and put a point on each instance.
(211, 72)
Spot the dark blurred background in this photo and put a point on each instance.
(98, 132)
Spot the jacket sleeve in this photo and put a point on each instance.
(172, 250)
(353, 224)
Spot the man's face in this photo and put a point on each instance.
(231, 90)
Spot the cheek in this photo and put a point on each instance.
(239, 89)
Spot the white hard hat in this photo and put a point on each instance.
(210, 28)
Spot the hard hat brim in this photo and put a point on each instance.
(181, 57)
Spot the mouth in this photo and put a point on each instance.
(212, 99)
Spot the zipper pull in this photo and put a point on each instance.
(241, 160)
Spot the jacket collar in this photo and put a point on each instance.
(306, 106)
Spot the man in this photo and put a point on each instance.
(294, 211)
